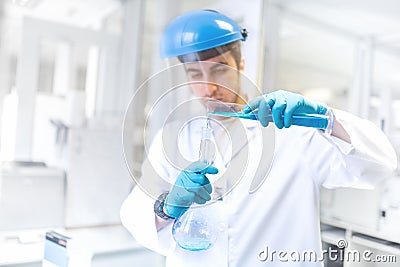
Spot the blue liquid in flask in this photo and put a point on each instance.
(194, 230)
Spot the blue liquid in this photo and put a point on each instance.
(241, 115)
(195, 244)
(307, 120)
(193, 235)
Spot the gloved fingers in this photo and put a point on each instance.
(184, 197)
(321, 108)
(287, 118)
(189, 179)
(278, 109)
(207, 185)
(253, 104)
(270, 99)
(314, 107)
(264, 108)
(210, 170)
(201, 167)
(199, 192)
(263, 113)
(202, 180)
(179, 198)
(199, 200)
(185, 194)
(292, 107)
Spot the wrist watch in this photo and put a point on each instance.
(159, 207)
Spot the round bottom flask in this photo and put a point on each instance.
(195, 230)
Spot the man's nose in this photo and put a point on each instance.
(210, 89)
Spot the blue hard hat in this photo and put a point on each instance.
(199, 30)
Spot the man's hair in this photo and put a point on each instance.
(234, 47)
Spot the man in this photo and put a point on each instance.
(279, 213)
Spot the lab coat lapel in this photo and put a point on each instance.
(259, 138)
(266, 159)
(236, 164)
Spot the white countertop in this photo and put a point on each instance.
(28, 246)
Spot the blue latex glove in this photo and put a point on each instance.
(283, 105)
(191, 186)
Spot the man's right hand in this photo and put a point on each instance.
(191, 186)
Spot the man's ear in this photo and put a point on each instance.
(241, 65)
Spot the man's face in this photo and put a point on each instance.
(217, 77)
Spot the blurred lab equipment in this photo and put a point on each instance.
(373, 212)
(63, 251)
(55, 250)
(20, 206)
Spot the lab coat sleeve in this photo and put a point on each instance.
(137, 213)
(369, 158)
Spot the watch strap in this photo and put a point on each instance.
(159, 207)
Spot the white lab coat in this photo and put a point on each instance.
(283, 214)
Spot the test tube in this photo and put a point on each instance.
(207, 147)
(207, 154)
(234, 110)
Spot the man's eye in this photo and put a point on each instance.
(196, 75)
(220, 70)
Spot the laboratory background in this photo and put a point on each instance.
(68, 69)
